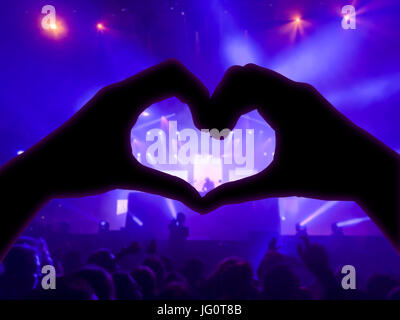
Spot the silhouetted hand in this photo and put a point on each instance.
(319, 152)
(132, 249)
(314, 256)
(316, 259)
(91, 153)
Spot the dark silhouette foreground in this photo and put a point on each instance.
(151, 275)
(319, 153)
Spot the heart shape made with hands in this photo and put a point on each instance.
(315, 154)
(204, 158)
(319, 153)
(304, 147)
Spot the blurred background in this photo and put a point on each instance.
(47, 75)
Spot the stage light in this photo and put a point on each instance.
(122, 206)
(137, 221)
(100, 27)
(347, 17)
(104, 226)
(171, 208)
(20, 152)
(295, 27)
(145, 114)
(318, 212)
(56, 28)
(351, 222)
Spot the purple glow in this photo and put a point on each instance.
(318, 212)
(352, 222)
(357, 70)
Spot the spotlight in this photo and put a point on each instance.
(122, 206)
(56, 28)
(297, 20)
(104, 226)
(145, 114)
(20, 152)
(100, 27)
(346, 17)
(318, 212)
(137, 221)
(351, 222)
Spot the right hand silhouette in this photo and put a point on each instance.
(319, 152)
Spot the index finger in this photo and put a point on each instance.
(244, 89)
(164, 80)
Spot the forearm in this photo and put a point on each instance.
(380, 197)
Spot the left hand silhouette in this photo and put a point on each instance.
(91, 153)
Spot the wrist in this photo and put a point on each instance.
(24, 175)
(22, 195)
(379, 195)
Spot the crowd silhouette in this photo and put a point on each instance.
(155, 277)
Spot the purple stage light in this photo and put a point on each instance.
(100, 27)
(171, 207)
(318, 212)
(137, 221)
(122, 206)
(352, 222)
